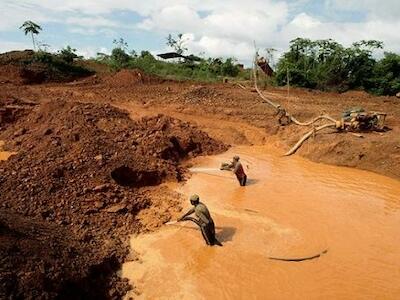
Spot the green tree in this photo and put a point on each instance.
(68, 54)
(178, 43)
(386, 75)
(32, 28)
(229, 67)
(326, 64)
(121, 44)
(119, 56)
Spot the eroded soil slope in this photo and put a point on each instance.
(82, 173)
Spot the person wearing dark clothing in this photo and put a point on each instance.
(238, 170)
(204, 220)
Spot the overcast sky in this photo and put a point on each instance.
(213, 27)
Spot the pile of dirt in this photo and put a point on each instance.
(201, 94)
(40, 260)
(16, 57)
(28, 67)
(17, 67)
(127, 78)
(87, 169)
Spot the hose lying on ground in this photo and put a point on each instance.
(299, 258)
(306, 136)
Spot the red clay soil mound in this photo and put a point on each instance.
(16, 68)
(40, 260)
(10, 74)
(28, 67)
(86, 170)
(127, 78)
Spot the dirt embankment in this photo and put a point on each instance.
(28, 67)
(374, 151)
(72, 194)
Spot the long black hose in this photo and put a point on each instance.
(300, 258)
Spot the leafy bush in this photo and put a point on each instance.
(68, 55)
(199, 69)
(59, 66)
(386, 75)
(119, 58)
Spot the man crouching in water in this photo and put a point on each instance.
(204, 221)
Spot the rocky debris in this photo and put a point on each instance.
(90, 176)
(11, 109)
(116, 208)
(40, 260)
(101, 187)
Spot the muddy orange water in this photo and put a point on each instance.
(291, 208)
(4, 155)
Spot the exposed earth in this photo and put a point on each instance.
(94, 158)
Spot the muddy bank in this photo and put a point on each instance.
(86, 173)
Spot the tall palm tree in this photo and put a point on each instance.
(32, 28)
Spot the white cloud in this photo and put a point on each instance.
(12, 15)
(376, 9)
(90, 52)
(173, 18)
(346, 33)
(304, 21)
(92, 22)
(224, 28)
(218, 27)
(94, 31)
(9, 46)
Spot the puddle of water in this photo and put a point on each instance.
(4, 155)
(291, 208)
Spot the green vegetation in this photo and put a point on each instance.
(191, 67)
(32, 28)
(327, 65)
(60, 66)
(386, 75)
(319, 64)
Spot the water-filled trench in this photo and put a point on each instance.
(291, 208)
